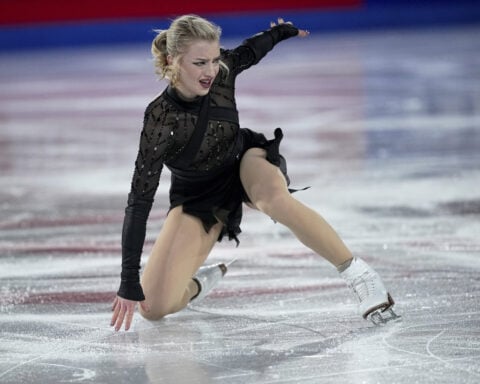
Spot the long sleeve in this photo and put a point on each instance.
(133, 237)
(263, 42)
(148, 167)
(253, 49)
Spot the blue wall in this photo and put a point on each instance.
(371, 15)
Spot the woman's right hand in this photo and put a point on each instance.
(123, 310)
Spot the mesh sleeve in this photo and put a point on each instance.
(253, 49)
(148, 166)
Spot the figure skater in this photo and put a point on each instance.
(192, 127)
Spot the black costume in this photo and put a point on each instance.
(204, 166)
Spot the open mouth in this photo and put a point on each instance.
(206, 83)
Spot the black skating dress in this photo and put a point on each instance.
(204, 168)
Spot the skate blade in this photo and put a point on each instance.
(230, 263)
(385, 314)
(382, 317)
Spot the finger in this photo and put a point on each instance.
(280, 20)
(114, 304)
(303, 33)
(116, 311)
(121, 317)
(128, 321)
(272, 24)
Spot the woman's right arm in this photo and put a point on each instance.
(146, 176)
(148, 167)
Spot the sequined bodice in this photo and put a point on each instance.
(170, 121)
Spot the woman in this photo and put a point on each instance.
(193, 128)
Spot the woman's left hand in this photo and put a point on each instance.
(301, 32)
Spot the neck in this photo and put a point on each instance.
(184, 97)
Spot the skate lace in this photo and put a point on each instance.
(363, 286)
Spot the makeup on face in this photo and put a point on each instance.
(198, 67)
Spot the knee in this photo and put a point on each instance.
(163, 306)
(153, 314)
(272, 201)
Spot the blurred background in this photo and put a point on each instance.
(41, 23)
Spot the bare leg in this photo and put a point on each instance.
(180, 249)
(267, 189)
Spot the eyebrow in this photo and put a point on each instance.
(205, 59)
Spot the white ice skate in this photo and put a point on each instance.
(208, 277)
(375, 303)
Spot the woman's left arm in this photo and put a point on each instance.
(301, 32)
(253, 49)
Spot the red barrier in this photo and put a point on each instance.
(46, 11)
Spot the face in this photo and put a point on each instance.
(197, 68)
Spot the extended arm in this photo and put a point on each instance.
(253, 49)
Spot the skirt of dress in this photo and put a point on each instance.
(217, 195)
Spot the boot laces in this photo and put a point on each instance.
(363, 285)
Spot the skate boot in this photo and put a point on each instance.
(208, 277)
(375, 303)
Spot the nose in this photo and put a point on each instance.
(211, 69)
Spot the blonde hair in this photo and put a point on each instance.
(174, 41)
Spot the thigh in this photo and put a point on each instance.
(180, 249)
(260, 178)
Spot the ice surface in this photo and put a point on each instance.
(384, 127)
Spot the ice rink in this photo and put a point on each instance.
(384, 126)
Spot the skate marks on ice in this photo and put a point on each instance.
(454, 345)
(46, 347)
(317, 328)
(262, 324)
(207, 347)
(237, 348)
